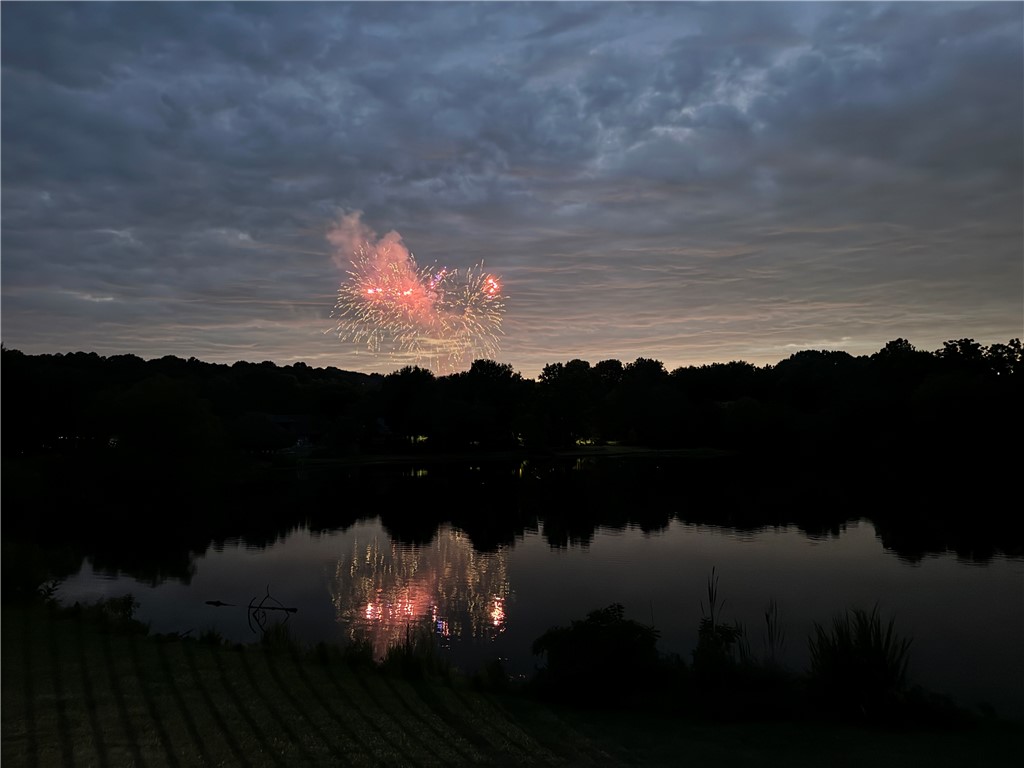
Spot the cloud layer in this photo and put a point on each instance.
(671, 180)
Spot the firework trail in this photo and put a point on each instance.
(390, 305)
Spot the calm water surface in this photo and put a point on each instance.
(967, 620)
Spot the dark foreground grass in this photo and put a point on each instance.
(78, 691)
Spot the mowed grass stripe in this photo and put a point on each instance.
(86, 667)
(335, 742)
(499, 720)
(149, 689)
(469, 743)
(56, 676)
(224, 729)
(574, 747)
(19, 733)
(382, 714)
(90, 704)
(313, 679)
(277, 722)
(204, 681)
(436, 729)
(443, 701)
(126, 738)
(143, 742)
(175, 681)
(44, 698)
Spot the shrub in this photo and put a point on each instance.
(492, 676)
(602, 660)
(111, 614)
(859, 667)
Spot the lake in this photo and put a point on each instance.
(362, 581)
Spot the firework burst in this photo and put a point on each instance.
(434, 315)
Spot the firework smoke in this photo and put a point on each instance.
(386, 303)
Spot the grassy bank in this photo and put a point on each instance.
(78, 689)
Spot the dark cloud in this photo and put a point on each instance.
(685, 181)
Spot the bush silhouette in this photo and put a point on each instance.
(858, 667)
(603, 660)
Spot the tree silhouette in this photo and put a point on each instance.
(483, 406)
(410, 403)
(568, 395)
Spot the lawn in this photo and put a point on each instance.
(81, 691)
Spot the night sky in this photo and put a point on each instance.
(691, 183)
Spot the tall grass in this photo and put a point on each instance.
(418, 657)
(859, 665)
(775, 635)
(714, 658)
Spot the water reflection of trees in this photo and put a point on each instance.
(494, 504)
(383, 588)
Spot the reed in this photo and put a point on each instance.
(775, 635)
(714, 658)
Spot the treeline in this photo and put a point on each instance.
(143, 463)
(962, 398)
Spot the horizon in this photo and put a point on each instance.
(691, 183)
(668, 368)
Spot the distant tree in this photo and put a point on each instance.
(962, 354)
(608, 373)
(718, 381)
(653, 413)
(644, 371)
(896, 348)
(268, 389)
(489, 370)
(410, 402)
(811, 377)
(484, 405)
(164, 417)
(1005, 359)
(257, 433)
(568, 398)
(551, 373)
(898, 367)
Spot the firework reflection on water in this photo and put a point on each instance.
(380, 590)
